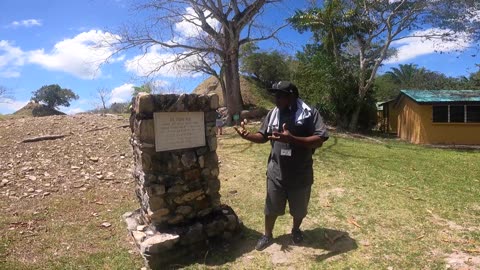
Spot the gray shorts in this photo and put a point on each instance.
(277, 197)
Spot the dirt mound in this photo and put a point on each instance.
(37, 110)
(254, 95)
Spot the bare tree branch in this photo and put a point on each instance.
(203, 35)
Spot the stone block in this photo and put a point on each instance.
(214, 228)
(138, 236)
(213, 186)
(204, 212)
(189, 196)
(192, 175)
(156, 203)
(184, 209)
(132, 219)
(144, 103)
(160, 212)
(211, 160)
(206, 173)
(176, 219)
(189, 159)
(155, 190)
(215, 172)
(193, 235)
(212, 143)
(177, 189)
(201, 161)
(201, 151)
(211, 116)
(158, 243)
(145, 132)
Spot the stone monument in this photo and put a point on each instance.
(176, 171)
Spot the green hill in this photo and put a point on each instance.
(37, 110)
(254, 95)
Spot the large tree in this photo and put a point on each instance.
(215, 31)
(53, 96)
(365, 30)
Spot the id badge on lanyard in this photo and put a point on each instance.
(286, 152)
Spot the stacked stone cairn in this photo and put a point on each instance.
(180, 213)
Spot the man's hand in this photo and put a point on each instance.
(242, 132)
(284, 136)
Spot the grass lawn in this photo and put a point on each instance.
(402, 205)
(373, 206)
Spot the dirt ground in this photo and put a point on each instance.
(57, 195)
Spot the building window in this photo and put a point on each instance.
(473, 114)
(456, 113)
(440, 114)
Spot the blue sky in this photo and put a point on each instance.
(47, 42)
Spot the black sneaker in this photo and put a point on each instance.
(297, 236)
(263, 242)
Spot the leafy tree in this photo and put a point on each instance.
(330, 88)
(410, 76)
(118, 107)
(473, 81)
(267, 67)
(405, 74)
(386, 88)
(365, 30)
(53, 96)
(147, 88)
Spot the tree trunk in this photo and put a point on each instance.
(362, 92)
(353, 125)
(233, 96)
(221, 80)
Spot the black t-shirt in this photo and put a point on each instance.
(290, 165)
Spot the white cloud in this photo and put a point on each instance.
(157, 63)
(11, 59)
(26, 23)
(8, 105)
(122, 93)
(412, 47)
(80, 56)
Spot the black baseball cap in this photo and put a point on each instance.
(284, 87)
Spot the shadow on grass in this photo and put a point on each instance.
(333, 241)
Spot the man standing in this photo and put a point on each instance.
(295, 130)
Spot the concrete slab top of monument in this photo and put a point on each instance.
(176, 171)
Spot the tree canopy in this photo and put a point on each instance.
(53, 96)
(267, 67)
(359, 33)
(410, 76)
